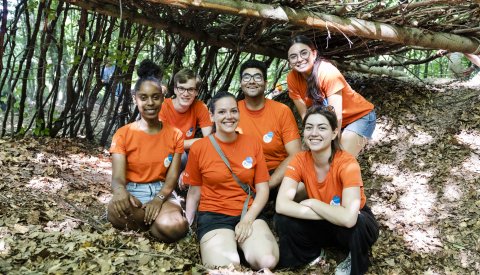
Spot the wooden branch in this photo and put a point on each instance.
(171, 27)
(348, 26)
(409, 62)
(370, 70)
(417, 5)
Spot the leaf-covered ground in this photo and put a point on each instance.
(421, 174)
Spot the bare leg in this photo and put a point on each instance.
(261, 248)
(170, 225)
(219, 248)
(352, 142)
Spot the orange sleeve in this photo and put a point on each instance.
(293, 170)
(293, 89)
(192, 174)
(330, 80)
(118, 143)
(350, 174)
(203, 115)
(290, 128)
(178, 142)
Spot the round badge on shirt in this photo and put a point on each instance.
(248, 163)
(267, 138)
(168, 160)
(189, 133)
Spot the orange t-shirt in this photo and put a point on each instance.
(187, 122)
(148, 156)
(274, 125)
(344, 172)
(220, 193)
(330, 81)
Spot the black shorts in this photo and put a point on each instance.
(208, 221)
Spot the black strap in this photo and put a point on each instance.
(244, 186)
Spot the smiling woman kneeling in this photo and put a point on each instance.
(224, 187)
(145, 163)
(335, 213)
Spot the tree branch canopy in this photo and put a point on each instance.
(346, 26)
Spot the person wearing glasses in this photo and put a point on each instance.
(185, 112)
(142, 182)
(228, 216)
(271, 122)
(335, 212)
(315, 81)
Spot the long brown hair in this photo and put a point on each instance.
(313, 91)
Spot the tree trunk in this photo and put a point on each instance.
(70, 89)
(28, 57)
(3, 31)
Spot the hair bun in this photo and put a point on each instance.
(148, 68)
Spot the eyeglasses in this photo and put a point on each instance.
(256, 77)
(304, 54)
(190, 91)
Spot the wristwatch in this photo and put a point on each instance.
(160, 196)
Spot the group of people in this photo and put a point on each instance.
(251, 153)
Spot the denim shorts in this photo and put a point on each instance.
(208, 221)
(146, 192)
(364, 126)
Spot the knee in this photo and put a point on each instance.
(117, 222)
(170, 228)
(264, 261)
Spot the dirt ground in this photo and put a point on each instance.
(421, 173)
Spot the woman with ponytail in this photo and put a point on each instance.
(145, 162)
(315, 81)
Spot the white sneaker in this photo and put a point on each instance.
(320, 258)
(344, 267)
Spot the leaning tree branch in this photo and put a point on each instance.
(350, 26)
(171, 27)
(409, 62)
(370, 70)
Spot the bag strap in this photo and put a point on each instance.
(244, 186)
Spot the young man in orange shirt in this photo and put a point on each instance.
(185, 112)
(271, 122)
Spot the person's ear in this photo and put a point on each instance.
(335, 133)
(314, 54)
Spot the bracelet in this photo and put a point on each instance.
(160, 196)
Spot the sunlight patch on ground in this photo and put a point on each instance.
(417, 200)
(64, 226)
(382, 169)
(472, 164)
(408, 207)
(470, 138)
(383, 131)
(425, 240)
(99, 165)
(46, 184)
(452, 191)
(104, 198)
(420, 138)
